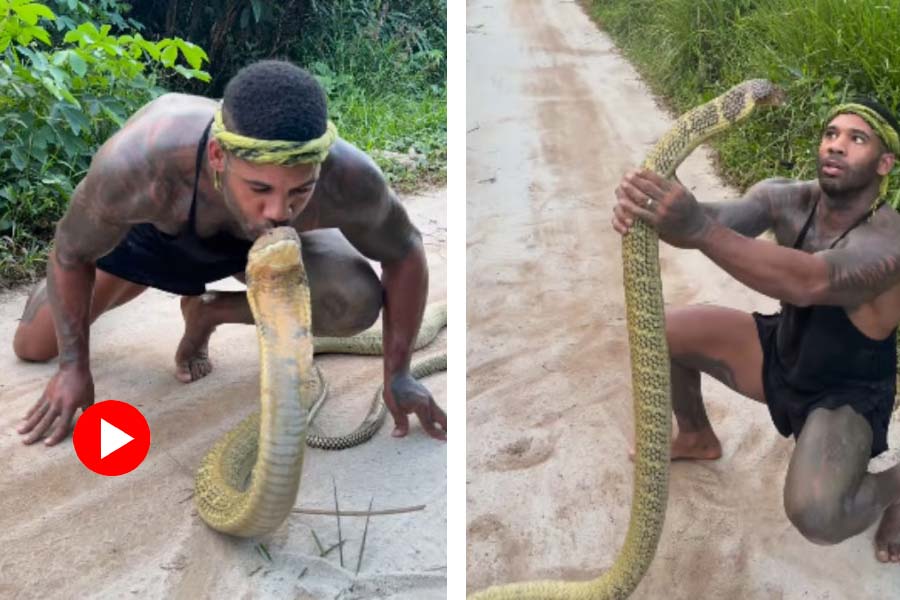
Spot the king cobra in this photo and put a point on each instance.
(649, 363)
(248, 482)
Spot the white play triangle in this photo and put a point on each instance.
(111, 438)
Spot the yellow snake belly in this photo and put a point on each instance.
(248, 482)
(649, 364)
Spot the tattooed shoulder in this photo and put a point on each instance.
(353, 188)
(867, 262)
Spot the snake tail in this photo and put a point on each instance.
(649, 364)
(248, 483)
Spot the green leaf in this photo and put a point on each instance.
(59, 76)
(76, 35)
(192, 53)
(112, 115)
(40, 33)
(192, 73)
(257, 9)
(43, 11)
(27, 13)
(51, 87)
(39, 153)
(150, 48)
(24, 37)
(18, 158)
(4, 42)
(76, 119)
(79, 67)
(169, 55)
(245, 18)
(39, 60)
(69, 97)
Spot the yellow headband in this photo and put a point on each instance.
(274, 152)
(879, 125)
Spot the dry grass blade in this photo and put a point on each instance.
(362, 546)
(360, 513)
(337, 511)
(261, 548)
(338, 545)
(318, 543)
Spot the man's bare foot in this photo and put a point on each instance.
(887, 538)
(702, 445)
(192, 357)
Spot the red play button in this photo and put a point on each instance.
(111, 438)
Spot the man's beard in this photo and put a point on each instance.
(849, 181)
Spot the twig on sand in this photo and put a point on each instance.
(323, 552)
(338, 545)
(254, 571)
(261, 548)
(360, 513)
(318, 543)
(362, 546)
(337, 512)
(302, 573)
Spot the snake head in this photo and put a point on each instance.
(765, 93)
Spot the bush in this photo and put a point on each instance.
(62, 93)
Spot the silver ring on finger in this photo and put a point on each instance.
(649, 202)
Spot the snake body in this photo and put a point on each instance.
(369, 342)
(248, 482)
(649, 363)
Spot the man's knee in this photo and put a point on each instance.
(349, 303)
(687, 330)
(27, 347)
(818, 517)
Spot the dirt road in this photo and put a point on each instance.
(555, 116)
(68, 533)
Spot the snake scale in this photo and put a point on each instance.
(247, 483)
(649, 363)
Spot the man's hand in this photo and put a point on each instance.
(664, 204)
(69, 390)
(404, 396)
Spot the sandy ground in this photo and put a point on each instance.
(555, 117)
(68, 533)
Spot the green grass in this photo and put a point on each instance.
(387, 124)
(820, 51)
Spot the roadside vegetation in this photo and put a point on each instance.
(72, 71)
(821, 53)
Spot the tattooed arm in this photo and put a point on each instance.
(375, 222)
(756, 212)
(866, 267)
(93, 224)
(751, 215)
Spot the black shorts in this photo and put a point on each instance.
(180, 265)
(790, 406)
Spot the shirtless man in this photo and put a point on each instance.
(825, 364)
(174, 200)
